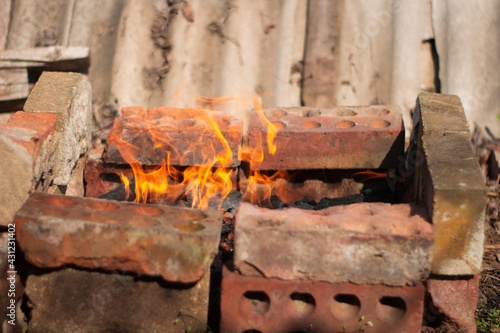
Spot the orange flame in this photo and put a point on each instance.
(259, 187)
(169, 183)
(370, 175)
(200, 184)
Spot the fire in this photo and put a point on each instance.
(213, 178)
(368, 175)
(168, 183)
(259, 187)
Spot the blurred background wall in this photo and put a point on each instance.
(296, 52)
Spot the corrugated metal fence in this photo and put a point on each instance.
(296, 52)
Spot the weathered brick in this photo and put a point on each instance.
(70, 300)
(175, 243)
(185, 134)
(455, 299)
(11, 288)
(338, 138)
(440, 113)
(359, 243)
(310, 185)
(75, 185)
(68, 96)
(455, 195)
(272, 305)
(449, 182)
(28, 147)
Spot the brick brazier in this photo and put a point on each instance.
(372, 266)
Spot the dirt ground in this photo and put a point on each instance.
(488, 310)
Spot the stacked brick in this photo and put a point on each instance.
(148, 262)
(450, 184)
(340, 268)
(41, 145)
(344, 268)
(307, 138)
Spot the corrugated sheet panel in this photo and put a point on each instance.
(316, 52)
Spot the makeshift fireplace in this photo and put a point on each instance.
(316, 201)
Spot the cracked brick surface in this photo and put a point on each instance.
(175, 243)
(360, 243)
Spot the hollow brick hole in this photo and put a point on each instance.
(302, 303)
(310, 125)
(390, 308)
(345, 306)
(256, 301)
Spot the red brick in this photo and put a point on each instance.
(274, 305)
(308, 185)
(28, 150)
(43, 124)
(181, 132)
(455, 298)
(175, 243)
(339, 138)
(360, 243)
(100, 178)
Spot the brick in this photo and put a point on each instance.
(28, 147)
(359, 243)
(11, 287)
(309, 185)
(68, 96)
(75, 186)
(175, 243)
(274, 305)
(70, 300)
(185, 134)
(96, 174)
(454, 192)
(103, 180)
(449, 182)
(95, 183)
(440, 113)
(338, 138)
(455, 299)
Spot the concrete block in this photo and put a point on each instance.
(186, 137)
(449, 182)
(374, 243)
(70, 300)
(440, 113)
(257, 304)
(453, 189)
(68, 96)
(175, 243)
(338, 138)
(28, 147)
